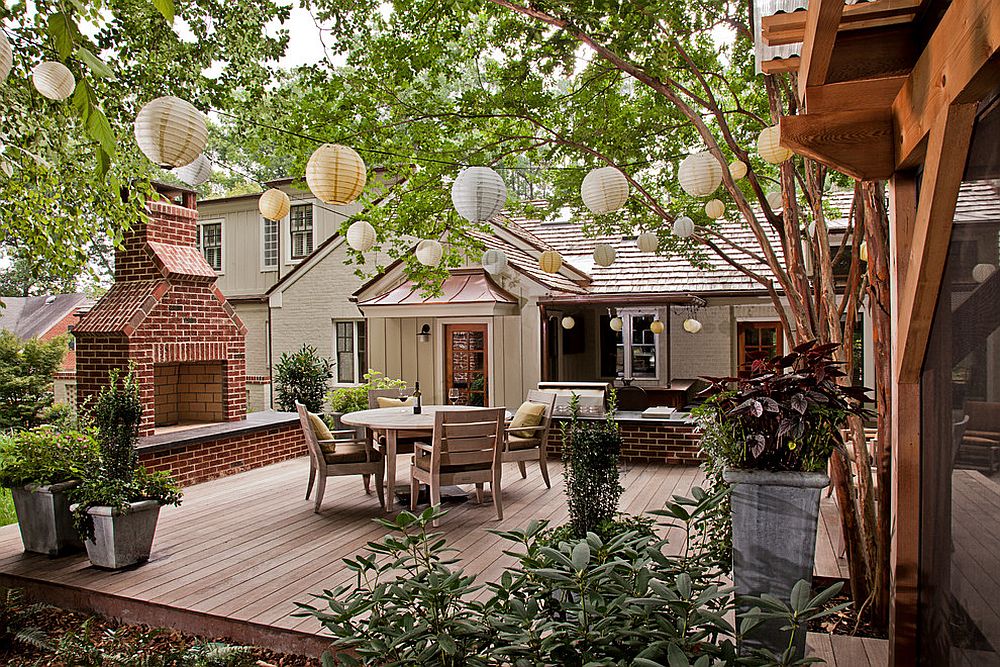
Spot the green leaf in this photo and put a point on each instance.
(581, 556)
(99, 129)
(96, 65)
(62, 31)
(165, 7)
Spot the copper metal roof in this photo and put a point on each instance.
(463, 287)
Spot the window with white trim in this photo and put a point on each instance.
(631, 352)
(351, 346)
(210, 243)
(269, 258)
(301, 230)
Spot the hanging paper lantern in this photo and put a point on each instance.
(274, 204)
(550, 261)
(715, 209)
(429, 252)
(769, 145)
(684, 227)
(656, 326)
(982, 272)
(692, 325)
(568, 322)
(700, 174)
(478, 194)
(774, 201)
(604, 254)
(647, 242)
(494, 261)
(604, 190)
(617, 323)
(812, 229)
(361, 236)
(197, 172)
(737, 169)
(863, 251)
(6, 57)
(336, 174)
(171, 132)
(53, 80)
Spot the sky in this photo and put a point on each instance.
(305, 46)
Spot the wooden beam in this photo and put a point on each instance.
(780, 65)
(959, 65)
(790, 27)
(947, 149)
(857, 143)
(853, 95)
(822, 21)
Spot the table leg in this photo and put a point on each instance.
(390, 470)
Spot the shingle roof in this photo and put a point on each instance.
(978, 201)
(33, 316)
(525, 262)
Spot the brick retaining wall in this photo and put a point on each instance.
(649, 441)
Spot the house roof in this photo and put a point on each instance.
(466, 286)
(34, 316)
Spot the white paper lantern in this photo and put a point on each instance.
(863, 251)
(171, 132)
(604, 190)
(274, 204)
(604, 254)
(6, 57)
(53, 80)
(478, 194)
(647, 242)
(617, 323)
(769, 145)
(336, 174)
(494, 261)
(550, 261)
(774, 201)
(568, 322)
(683, 227)
(656, 326)
(812, 229)
(715, 209)
(197, 172)
(429, 252)
(692, 325)
(982, 272)
(361, 236)
(700, 174)
(737, 169)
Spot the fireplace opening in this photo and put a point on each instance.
(188, 393)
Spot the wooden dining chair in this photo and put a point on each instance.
(404, 439)
(528, 442)
(342, 453)
(466, 448)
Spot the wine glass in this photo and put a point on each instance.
(454, 396)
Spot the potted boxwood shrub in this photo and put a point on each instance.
(40, 466)
(119, 503)
(354, 399)
(774, 432)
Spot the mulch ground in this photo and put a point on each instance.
(844, 622)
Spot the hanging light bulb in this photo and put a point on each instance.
(494, 261)
(568, 322)
(616, 323)
(604, 254)
(361, 236)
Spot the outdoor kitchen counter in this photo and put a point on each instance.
(674, 440)
(623, 416)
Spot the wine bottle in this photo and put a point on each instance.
(417, 407)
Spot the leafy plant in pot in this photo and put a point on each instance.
(119, 503)
(40, 466)
(774, 433)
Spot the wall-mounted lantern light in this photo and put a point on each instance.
(425, 333)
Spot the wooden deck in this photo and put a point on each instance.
(241, 550)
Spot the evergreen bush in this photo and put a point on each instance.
(302, 376)
(26, 371)
(590, 455)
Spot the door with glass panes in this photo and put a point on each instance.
(466, 364)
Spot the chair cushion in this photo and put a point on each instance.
(520, 442)
(319, 427)
(529, 414)
(387, 402)
(424, 463)
(350, 452)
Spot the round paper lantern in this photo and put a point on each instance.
(494, 261)
(478, 194)
(863, 251)
(692, 325)
(647, 242)
(274, 204)
(197, 172)
(550, 261)
(429, 252)
(568, 322)
(715, 209)
(604, 254)
(684, 227)
(700, 174)
(774, 201)
(982, 272)
(737, 169)
(171, 132)
(336, 174)
(656, 326)
(617, 323)
(361, 236)
(769, 145)
(53, 80)
(604, 190)
(812, 229)
(6, 57)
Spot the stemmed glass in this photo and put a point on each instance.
(454, 396)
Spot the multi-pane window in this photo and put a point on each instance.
(210, 243)
(758, 342)
(301, 229)
(631, 352)
(270, 256)
(351, 344)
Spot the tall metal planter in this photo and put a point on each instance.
(122, 538)
(774, 541)
(44, 519)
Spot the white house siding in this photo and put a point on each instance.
(709, 352)
(254, 316)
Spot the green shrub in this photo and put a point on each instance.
(26, 371)
(44, 456)
(353, 399)
(590, 455)
(302, 376)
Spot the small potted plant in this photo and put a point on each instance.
(119, 503)
(40, 466)
(774, 433)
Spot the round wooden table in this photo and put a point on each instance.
(392, 421)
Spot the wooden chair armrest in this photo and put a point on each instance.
(992, 435)
(524, 429)
(423, 446)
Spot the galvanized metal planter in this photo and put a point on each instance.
(122, 538)
(44, 518)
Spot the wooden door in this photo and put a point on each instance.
(466, 364)
(758, 341)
